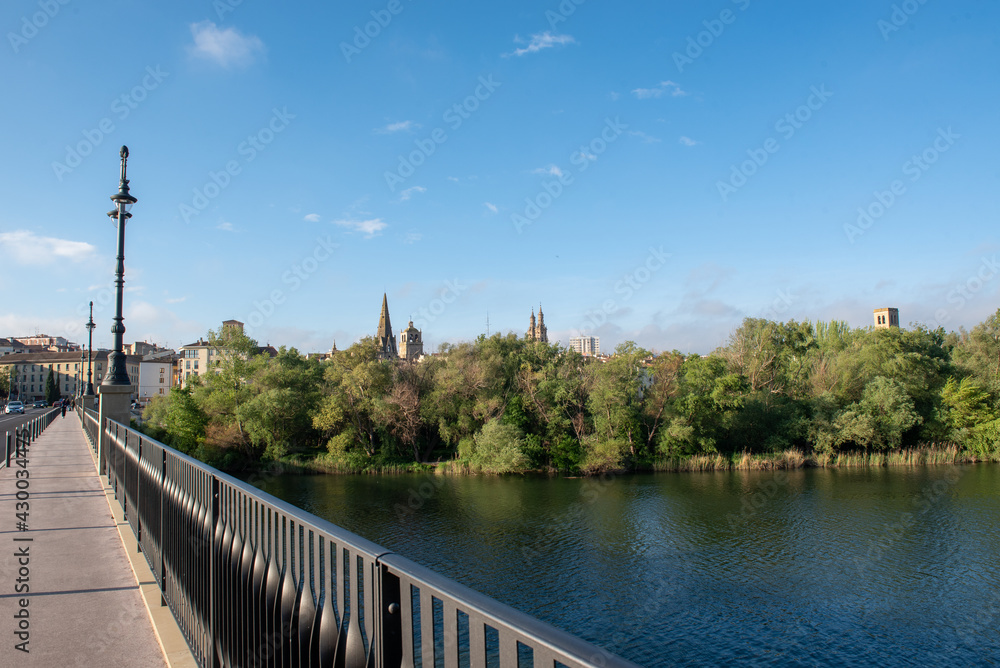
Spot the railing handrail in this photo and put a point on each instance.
(292, 575)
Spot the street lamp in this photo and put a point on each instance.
(117, 373)
(89, 392)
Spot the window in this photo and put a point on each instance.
(161, 390)
(161, 380)
(188, 364)
(196, 364)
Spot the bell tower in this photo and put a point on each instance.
(411, 343)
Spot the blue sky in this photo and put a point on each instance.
(647, 171)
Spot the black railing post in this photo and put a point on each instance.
(213, 580)
(388, 618)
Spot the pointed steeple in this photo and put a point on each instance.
(386, 339)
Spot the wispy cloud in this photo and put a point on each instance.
(545, 40)
(225, 227)
(647, 139)
(27, 248)
(224, 47)
(492, 207)
(551, 170)
(661, 89)
(176, 300)
(401, 126)
(687, 141)
(311, 217)
(408, 193)
(412, 237)
(370, 228)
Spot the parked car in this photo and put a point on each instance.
(39, 404)
(15, 407)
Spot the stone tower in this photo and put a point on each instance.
(411, 343)
(384, 337)
(886, 318)
(537, 332)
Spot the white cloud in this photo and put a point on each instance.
(225, 227)
(412, 237)
(647, 139)
(27, 248)
(545, 40)
(369, 228)
(311, 217)
(492, 207)
(397, 127)
(661, 89)
(176, 300)
(687, 141)
(408, 193)
(225, 47)
(551, 170)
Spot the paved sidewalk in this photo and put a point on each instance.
(83, 604)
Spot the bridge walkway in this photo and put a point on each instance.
(84, 606)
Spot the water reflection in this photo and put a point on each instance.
(882, 566)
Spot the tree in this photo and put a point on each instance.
(499, 448)
(178, 420)
(52, 393)
(226, 386)
(880, 419)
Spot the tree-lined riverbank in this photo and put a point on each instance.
(777, 395)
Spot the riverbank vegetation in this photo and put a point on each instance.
(777, 395)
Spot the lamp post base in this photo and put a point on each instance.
(114, 403)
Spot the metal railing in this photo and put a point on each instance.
(15, 441)
(255, 581)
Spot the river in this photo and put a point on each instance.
(888, 566)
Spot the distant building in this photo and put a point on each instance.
(411, 343)
(195, 359)
(56, 344)
(588, 346)
(384, 337)
(156, 374)
(30, 372)
(886, 318)
(537, 332)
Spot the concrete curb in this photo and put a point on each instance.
(175, 649)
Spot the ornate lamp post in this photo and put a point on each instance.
(117, 372)
(89, 391)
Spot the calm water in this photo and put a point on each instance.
(815, 567)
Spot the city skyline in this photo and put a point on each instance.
(647, 173)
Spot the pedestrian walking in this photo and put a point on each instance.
(64, 409)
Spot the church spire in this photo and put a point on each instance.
(385, 338)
